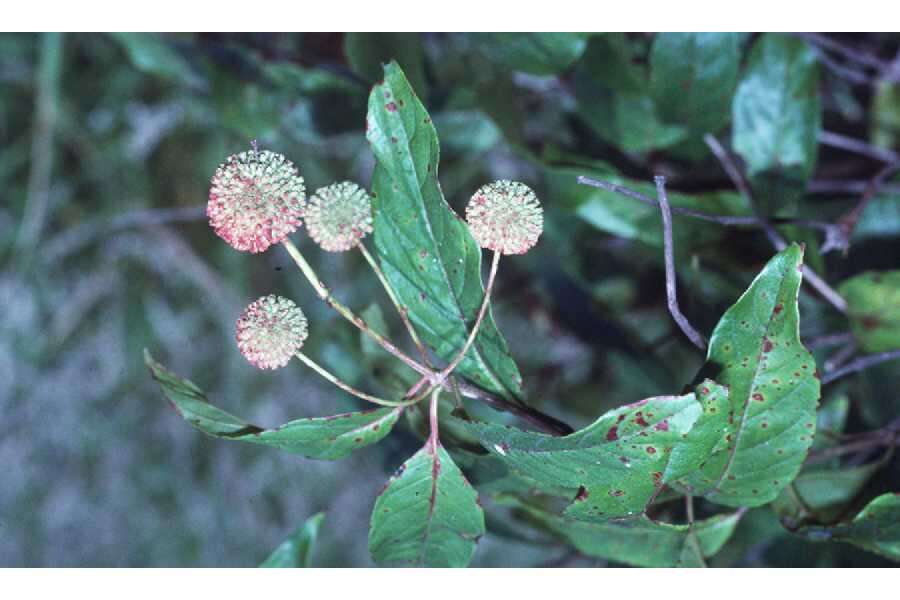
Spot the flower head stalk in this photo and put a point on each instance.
(506, 217)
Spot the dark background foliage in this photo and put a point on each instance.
(108, 144)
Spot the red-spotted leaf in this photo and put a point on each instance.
(425, 248)
(873, 305)
(427, 515)
(755, 350)
(876, 528)
(325, 438)
(642, 542)
(616, 466)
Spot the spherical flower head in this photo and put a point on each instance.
(271, 331)
(339, 216)
(506, 217)
(256, 200)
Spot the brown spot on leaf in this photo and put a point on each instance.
(613, 434)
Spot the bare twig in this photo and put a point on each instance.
(860, 364)
(777, 241)
(848, 52)
(888, 436)
(836, 140)
(845, 186)
(849, 220)
(725, 220)
(852, 74)
(828, 340)
(840, 357)
(669, 256)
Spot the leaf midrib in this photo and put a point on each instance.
(732, 452)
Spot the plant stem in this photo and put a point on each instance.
(860, 364)
(345, 312)
(433, 439)
(531, 415)
(777, 241)
(445, 372)
(402, 310)
(692, 534)
(495, 264)
(349, 389)
(669, 256)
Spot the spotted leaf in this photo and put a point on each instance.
(427, 515)
(616, 466)
(755, 350)
(876, 528)
(325, 438)
(642, 542)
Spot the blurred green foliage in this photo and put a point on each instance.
(108, 144)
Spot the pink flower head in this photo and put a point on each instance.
(339, 216)
(506, 217)
(256, 200)
(271, 331)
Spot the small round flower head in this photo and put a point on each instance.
(339, 216)
(256, 200)
(506, 217)
(270, 331)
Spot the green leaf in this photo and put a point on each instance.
(296, 551)
(613, 98)
(536, 53)
(777, 115)
(426, 250)
(831, 419)
(366, 53)
(324, 438)
(467, 132)
(873, 305)
(693, 77)
(427, 515)
(150, 53)
(641, 542)
(755, 350)
(821, 489)
(881, 219)
(620, 462)
(876, 528)
(885, 127)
